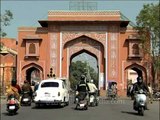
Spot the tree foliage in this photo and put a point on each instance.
(77, 69)
(5, 21)
(148, 25)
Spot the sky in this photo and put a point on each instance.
(84, 57)
(28, 12)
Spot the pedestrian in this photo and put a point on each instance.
(150, 93)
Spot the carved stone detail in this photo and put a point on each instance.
(67, 36)
(113, 48)
(53, 50)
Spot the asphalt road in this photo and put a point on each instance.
(107, 110)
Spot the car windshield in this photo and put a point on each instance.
(49, 84)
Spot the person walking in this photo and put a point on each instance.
(150, 93)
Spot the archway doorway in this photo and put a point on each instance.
(32, 75)
(84, 44)
(83, 62)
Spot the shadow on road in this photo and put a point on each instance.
(131, 113)
(7, 114)
(47, 107)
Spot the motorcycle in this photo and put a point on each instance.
(112, 95)
(140, 102)
(93, 99)
(156, 95)
(12, 105)
(82, 101)
(26, 99)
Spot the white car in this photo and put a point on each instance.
(52, 91)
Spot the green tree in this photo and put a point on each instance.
(5, 21)
(148, 25)
(77, 69)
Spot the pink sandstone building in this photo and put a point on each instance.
(8, 61)
(106, 35)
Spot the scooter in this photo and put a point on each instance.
(93, 99)
(82, 101)
(26, 99)
(12, 105)
(140, 102)
(156, 95)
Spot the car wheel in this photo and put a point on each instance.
(62, 104)
(37, 105)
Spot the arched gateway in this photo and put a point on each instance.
(106, 35)
(85, 44)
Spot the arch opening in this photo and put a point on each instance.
(83, 62)
(132, 72)
(32, 75)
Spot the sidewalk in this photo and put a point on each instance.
(2, 99)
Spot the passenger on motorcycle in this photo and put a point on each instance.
(139, 85)
(14, 89)
(92, 87)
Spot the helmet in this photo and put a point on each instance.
(92, 81)
(139, 79)
(14, 82)
(83, 77)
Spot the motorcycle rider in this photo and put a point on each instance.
(137, 86)
(82, 88)
(14, 84)
(14, 89)
(27, 88)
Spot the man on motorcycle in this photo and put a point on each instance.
(27, 88)
(139, 85)
(82, 88)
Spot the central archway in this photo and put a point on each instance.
(90, 46)
(83, 62)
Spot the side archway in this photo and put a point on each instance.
(132, 71)
(32, 72)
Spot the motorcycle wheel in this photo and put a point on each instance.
(12, 112)
(141, 111)
(92, 104)
(86, 108)
(96, 103)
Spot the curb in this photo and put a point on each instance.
(119, 98)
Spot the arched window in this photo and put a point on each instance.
(32, 48)
(135, 49)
